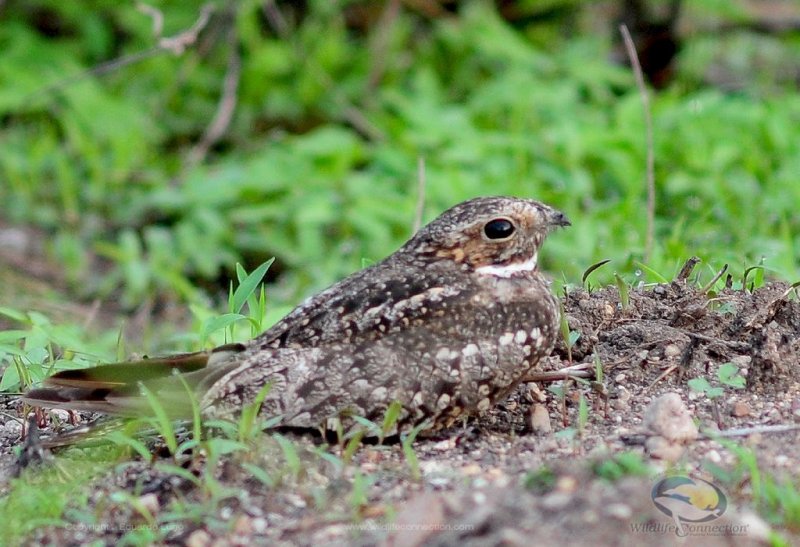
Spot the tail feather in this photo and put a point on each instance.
(115, 388)
(120, 374)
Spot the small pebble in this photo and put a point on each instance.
(671, 350)
(536, 394)
(566, 484)
(660, 448)
(198, 538)
(740, 409)
(540, 419)
(150, 503)
(741, 361)
(259, 525)
(670, 426)
(471, 469)
(619, 511)
(243, 526)
(556, 501)
(12, 428)
(60, 414)
(590, 516)
(668, 417)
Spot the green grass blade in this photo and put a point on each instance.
(248, 285)
(162, 420)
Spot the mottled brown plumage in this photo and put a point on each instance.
(447, 325)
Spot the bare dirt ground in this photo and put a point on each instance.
(530, 471)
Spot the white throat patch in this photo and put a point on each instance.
(509, 269)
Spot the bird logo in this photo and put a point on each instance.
(688, 500)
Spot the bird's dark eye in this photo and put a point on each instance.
(499, 228)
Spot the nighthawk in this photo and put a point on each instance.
(447, 325)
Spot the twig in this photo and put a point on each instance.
(176, 44)
(226, 107)
(687, 268)
(380, 41)
(745, 431)
(420, 194)
(349, 112)
(12, 417)
(648, 121)
(275, 19)
(710, 284)
(556, 375)
(92, 315)
(573, 371)
(661, 376)
(156, 15)
(714, 340)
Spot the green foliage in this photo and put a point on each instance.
(540, 481)
(583, 414)
(317, 169)
(569, 336)
(776, 499)
(407, 443)
(727, 375)
(318, 163)
(162, 421)
(623, 288)
(390, 419)
(701, 385)
(290, 456)
(621, 465)
(38, 348)
(248, 421)
(39, 497)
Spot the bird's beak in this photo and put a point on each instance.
(558, 219)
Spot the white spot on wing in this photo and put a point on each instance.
(506, 338)
(521, 336)
(469, 349)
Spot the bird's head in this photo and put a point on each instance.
(498, 236)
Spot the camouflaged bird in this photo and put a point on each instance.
(447, 325)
